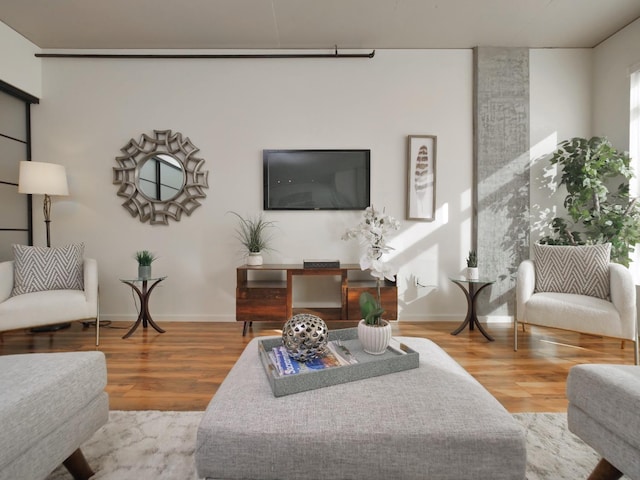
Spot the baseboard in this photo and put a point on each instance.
(128, 317)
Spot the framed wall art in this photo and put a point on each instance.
(421, 181)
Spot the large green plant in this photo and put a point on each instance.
(596, 214)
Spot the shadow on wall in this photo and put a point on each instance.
(510, 203)
(548, 194)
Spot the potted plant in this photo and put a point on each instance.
(596, 213)
(374, 332)
(472, 265)
(144, 258)
(253, 235)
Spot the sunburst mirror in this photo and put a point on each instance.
(160, 177)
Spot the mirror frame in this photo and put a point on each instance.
(126, 175)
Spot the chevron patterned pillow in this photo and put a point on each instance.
(39, 268)
(583, 270)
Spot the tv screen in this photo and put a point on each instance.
(316, 179)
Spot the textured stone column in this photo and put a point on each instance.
(501, 171)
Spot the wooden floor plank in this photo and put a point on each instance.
(182, 369)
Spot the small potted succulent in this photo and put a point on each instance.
(472, 265)
(254, 237)
(144, 258)
(374, 332)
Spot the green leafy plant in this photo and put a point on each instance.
(253, 232)
(370, 309)
(472, 259)
(145, 258)
(596, 214)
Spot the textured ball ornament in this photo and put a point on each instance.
(305, 336)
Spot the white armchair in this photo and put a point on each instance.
(612, 317)
(51, 306)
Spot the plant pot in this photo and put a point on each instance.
(473, 273)
(254, 258)
(374, 338)
(144, 271)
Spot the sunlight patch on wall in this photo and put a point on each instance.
(545, 196)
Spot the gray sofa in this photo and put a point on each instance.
(603, 412)
(50, 403)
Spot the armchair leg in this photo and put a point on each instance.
(98, 321)
(636, 352)
(515, 334)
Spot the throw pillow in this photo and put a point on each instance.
(40, 268)
(583, 270)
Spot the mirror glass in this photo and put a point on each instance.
(160, 177)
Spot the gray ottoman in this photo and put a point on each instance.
(433, 422)
(50, 403)
(604, 403)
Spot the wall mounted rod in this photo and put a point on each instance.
(206, 56)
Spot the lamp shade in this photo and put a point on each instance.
(42, 178)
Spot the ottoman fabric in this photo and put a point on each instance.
(610, 394)
(40, 392)
(434, 422)
(603, 411)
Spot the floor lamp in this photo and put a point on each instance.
(43, 179)
(38, 178)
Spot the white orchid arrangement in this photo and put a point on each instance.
(372, 233)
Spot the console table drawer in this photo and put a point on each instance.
(262, 294)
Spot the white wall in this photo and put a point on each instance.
(560, 108)
(612, 60)
(18, 65)
(231, 110)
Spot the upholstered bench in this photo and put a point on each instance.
(435, 422)
(603, 411)
(50, 403)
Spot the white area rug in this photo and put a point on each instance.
(160, 445)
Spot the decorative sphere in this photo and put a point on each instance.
(305, 336)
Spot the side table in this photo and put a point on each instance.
(474, 288)
(144, 316)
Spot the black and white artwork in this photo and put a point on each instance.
(421, 185)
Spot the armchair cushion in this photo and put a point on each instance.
(38, 269)
(580, 270)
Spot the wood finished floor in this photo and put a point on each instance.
(181, 369)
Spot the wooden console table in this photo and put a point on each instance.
(259, 300)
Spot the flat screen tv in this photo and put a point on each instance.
(316, 179)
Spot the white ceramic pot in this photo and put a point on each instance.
(473, 273)
(374, 339)
(254, 258)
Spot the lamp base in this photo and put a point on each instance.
(50, 328)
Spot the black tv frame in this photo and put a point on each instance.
(266, 161)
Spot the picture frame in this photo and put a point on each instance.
(421, 177)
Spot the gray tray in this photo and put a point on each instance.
(368, 365)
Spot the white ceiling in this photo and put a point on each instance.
(315, 24)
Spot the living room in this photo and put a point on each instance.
(233, 109)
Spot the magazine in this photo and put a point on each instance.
(285, 365)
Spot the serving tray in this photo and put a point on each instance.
(393, 360)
